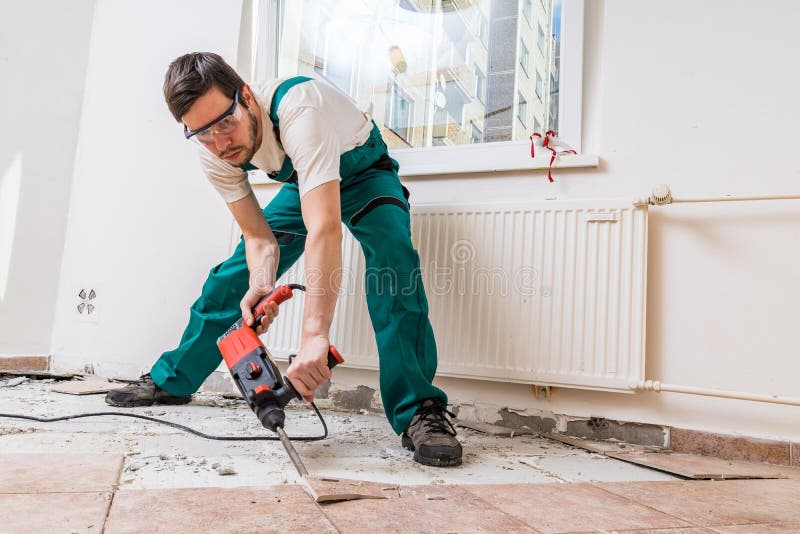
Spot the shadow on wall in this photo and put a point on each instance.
(10, 183)
(48, 69)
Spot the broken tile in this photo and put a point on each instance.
(220, 510)
(50, 512)
(729, 447)
(14, 382)
(495, 430)
(375, 469)
(594, 468)
(423, 509)
(86, 385)
(35, 373)
(709, 503)
(58, 473)
(594, 445)
(696, 467)
(326, 489)
(572, 508)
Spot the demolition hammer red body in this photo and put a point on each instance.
(253, 369)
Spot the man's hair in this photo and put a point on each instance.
(192, 75)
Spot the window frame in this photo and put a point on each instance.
(396, 89)
(538, 86)
(524, 56)
(480, 88)
(527, 12)
(522, 103)
(541, 37)
(474, 127)
(472, 158)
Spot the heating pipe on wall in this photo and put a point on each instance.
(658, 387)
(661, 196)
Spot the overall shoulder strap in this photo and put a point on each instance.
(280, 92)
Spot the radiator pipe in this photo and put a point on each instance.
(658, 387)
(662, 196)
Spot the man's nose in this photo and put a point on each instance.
(221, 142)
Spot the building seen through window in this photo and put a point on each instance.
(437, 72)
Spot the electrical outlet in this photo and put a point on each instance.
(86, 305)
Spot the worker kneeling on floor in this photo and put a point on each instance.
(335, 168)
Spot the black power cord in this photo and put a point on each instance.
(179, 426)
(176, 425)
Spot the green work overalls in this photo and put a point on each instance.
(375, 209)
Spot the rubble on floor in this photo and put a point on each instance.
(360, 446)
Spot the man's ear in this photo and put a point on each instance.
(247, 95)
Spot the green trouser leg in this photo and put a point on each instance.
(398, 310)
(396, 299)
(182, 371)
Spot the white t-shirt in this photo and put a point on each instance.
(318, 123)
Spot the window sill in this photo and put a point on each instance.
(468, 159)
(483, 158)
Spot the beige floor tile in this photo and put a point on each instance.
(53, 512)
(571, 508)
(220, 510)
(710, 503)
(58, 473)
(424, 509)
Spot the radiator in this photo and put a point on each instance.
(549, 293)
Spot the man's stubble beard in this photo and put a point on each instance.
(251, 150)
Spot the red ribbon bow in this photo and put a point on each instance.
(549, 141)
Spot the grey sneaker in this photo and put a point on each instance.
(143, 392)
(432, 436)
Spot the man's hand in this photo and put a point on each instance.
(249, 302)
(262, 261)
(309, 369)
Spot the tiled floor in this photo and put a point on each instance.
(65, 493)
(118, 475)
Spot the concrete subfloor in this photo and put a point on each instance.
(360, 446)
(116, 474)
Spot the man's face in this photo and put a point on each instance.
(235, 144)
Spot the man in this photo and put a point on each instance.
(335, 168)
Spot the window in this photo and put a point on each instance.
(539, 84)
(523, 56)
(527, 10)
(480, 85)
(483, 27)
(477, 134)
(399, 113)
(330, 60)
(540, 38)
(434, 95)
(537, 127)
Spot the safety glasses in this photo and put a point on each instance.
(222, 125)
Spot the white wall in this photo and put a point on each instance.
(44, 46)
(698, 95)
(144, 226)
